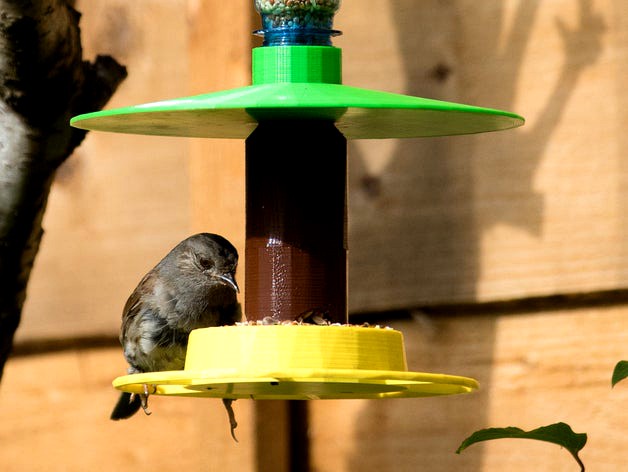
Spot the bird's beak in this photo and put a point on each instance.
(228, 278)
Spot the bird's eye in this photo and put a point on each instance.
(205, 263)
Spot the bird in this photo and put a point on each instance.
(193, 286)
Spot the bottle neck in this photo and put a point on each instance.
(297, 36)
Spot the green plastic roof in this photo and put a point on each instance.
(358, 113)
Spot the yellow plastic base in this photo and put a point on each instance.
(296, 362)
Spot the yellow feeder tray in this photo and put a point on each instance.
(296, 362)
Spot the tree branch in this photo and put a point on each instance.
(43, 83)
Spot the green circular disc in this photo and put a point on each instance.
(358, 113)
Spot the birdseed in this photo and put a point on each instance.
(307, 14)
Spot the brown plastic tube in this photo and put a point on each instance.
(296, 255)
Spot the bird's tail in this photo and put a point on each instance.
(127, 406)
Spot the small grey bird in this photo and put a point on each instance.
(192, 287)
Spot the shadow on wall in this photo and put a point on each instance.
(431, 185)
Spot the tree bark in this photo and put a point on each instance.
(43, 83)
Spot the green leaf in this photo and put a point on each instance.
(620, 372)
(558, 433)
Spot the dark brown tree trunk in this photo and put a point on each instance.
(43, 83)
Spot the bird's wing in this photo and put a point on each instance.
(133, 305)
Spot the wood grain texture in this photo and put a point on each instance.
(537, 211)
(503, 215)
(522, 213)
(55, 417)
(534, 369)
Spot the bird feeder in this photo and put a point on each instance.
(296, 118)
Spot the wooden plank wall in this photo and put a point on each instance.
(117, 207)
(536, 211)
(535, 368)
(514, 216)
(503, 255)
(121, 201)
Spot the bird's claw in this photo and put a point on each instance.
(144, 399)
(233, 424)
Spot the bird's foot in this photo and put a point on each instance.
(233, 424)
(144, 398)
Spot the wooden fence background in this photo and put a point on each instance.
(501, 256)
